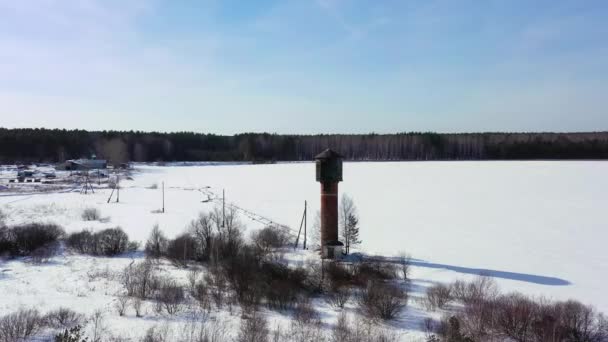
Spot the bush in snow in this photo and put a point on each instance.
(20, 325)
(367, 271)
(63, 318)
(108, 242)
(270, 238)
(354, 329)
(438, 296)
(382, 300)
(338, 296)
(71, 335)
(91, 214)
(140, 280)
(171, 295)
(121, 304)
(24, 239)
(82, 242)
(254, 329)
(486, 315)
(2, 218)
(181, 250)
(156, 246)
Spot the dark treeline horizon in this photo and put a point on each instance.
(57, 145)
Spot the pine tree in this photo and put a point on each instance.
(352, 228)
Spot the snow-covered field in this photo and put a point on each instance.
(536, 227)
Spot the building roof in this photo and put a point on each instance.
(329, 154)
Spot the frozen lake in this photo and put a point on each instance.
(539, 227)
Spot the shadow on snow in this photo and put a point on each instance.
(525, 277)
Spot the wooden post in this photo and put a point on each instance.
(163, 197)
(117, 188)
(223, 208)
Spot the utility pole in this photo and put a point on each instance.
(117, 188)
(223, 208)
(163, 197)
(305, 206)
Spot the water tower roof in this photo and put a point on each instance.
(329, 154)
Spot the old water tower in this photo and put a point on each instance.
(329, 174)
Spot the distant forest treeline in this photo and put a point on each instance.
(46, 145)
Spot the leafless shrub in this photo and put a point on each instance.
(483, 288)
(217, 285)
(23, 240)
(205, 232)
(338, 296)
(140, 279)
(202, 331)
(382, 300)
(108, 242)
(202, 296)
(181, 250)
(270, 238)
(405, 262)
(254, 329)
(121, 304)
(281, 284)
(193, 277)
(73, 334)
(581, 323)
(438, 296)
(171, 296)
(306, 332)
(91, 214)
(98, 326)
(347, 330)
(156, 334)
(373, 271)
(212, 332)
(449, 329)
(153, 186)
(429, 327)
(337, 274)
(137, 304)
(20, 325)
(3, 217)
(342, 330)
(44, 254)
(305, 313)
(515, 315)
(82, 242)
(156, 246)
(459, 290)
(63, 318)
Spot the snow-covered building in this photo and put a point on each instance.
(86, 164)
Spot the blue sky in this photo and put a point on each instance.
(305, 66)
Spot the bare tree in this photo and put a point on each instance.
(405, 261)
(99, 329)
(349, 223)
(137, 306)
(202, 228)
(156, 246)
(121, 304)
